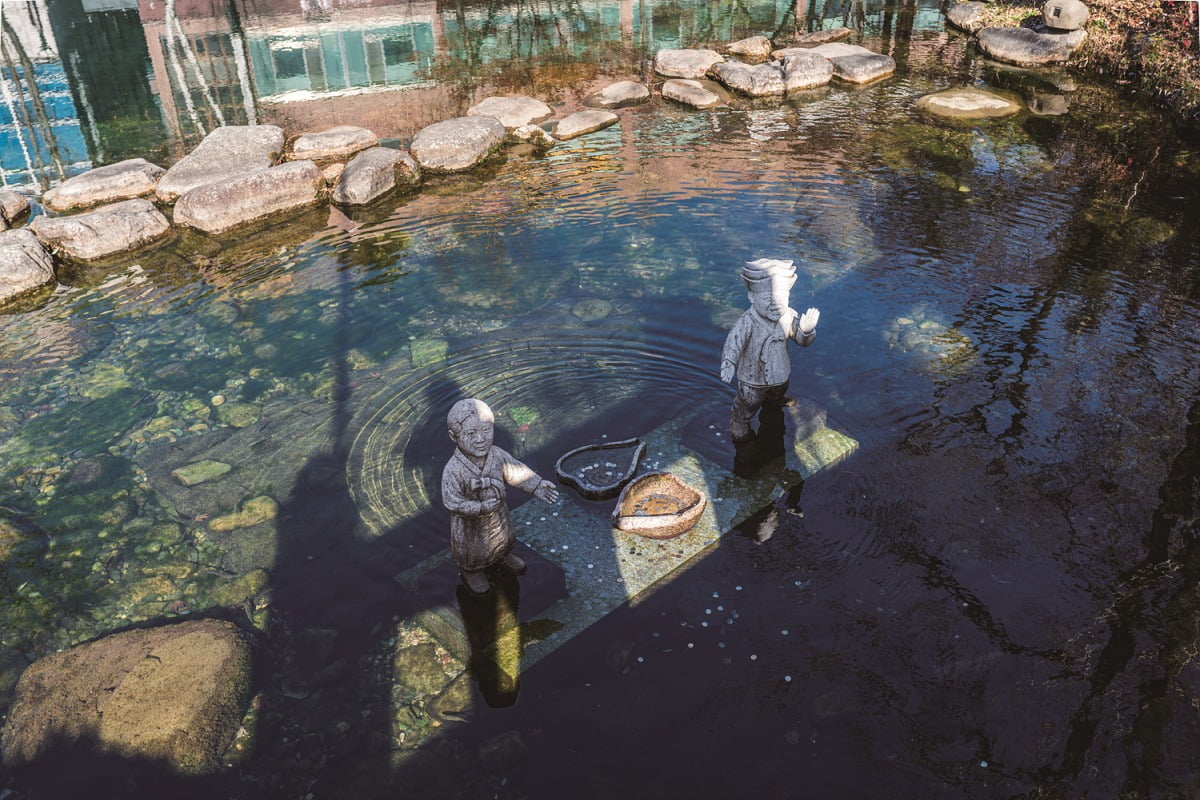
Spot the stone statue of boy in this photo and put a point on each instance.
(756, 349)
(473, 490)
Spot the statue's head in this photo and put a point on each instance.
(770, 282)
(471, 426)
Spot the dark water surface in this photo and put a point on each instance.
(997, 595)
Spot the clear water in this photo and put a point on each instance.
(994, 597)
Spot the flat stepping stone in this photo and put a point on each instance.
(373, 173)
(619, 95)
(1028, 48)
(753, 47)
(332, 144)
(25, 266)
(685, 63)
(13, 206)
(105, 232)
(134, 177)
(834, 50)
(582, 122)
(967, 16)
(535, 136)
(513, 112)
(819, 37)
(457, 144)
(691, 93)
(225, 153)
(967, 103)
(806, 71)
(863, 68)
(757, 81)
(219, 207)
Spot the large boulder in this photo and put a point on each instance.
(13, 206)
(25, 266)
(225, 153)
(1027, 47)
(619, 95)
(133, 177)
(685, 63)
(513, 112)
(175, 695)
(582, 122)
(690, 93)
(757, 81)
(755, 48)
(218, 207)
(1065, 15)
(967, 103)
(806, 71)
(863, 68)
(373, 173)
(332, 144)
(457, 144)
(105, 232)
(967, 16)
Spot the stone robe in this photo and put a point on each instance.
(479, 539)
(757, 348)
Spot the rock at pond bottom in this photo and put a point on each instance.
(25, 266)
(619, 95)
(200, 472)
(254, 511)
(685, 63)
(173, 695)
(218, 207)
(1027, 47)
(227, 152)
(133, 177)
(863, 68)
(758, 81)
(690, 93)
(373, 173)
(513, 112)
(582, 122)
(458, 144)
(105, 232)
(967, 103)
(13, 206)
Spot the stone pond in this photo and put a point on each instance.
(960, 565)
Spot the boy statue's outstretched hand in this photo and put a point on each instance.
(808, 321)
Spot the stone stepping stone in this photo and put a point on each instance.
(582, 122)
(685, 63)
(373, 173)
(863, 68)
(332, 144)
(535, 136)
(513, 112)
(458, 144)
(13, 206)
(753, 47)
(231, 203)
(761, 80)
(967, 103)
(105, 232)
(821, 36)
(834, 50)
(967, 16)
(225, 153)
(1027, 47)
(691, 93)
(619, 95)
(133, 177)
(25, 266)
(806, 71)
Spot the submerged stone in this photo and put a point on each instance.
(227, 204)
(690, 93)
(373, 173)
(967, 103)
(754, 47)
(338, 142)
(1049, 105)
(239, 415)
(238, 591)
(513, 112)
(428, 351)
(25, 266)
(583, 122)
(685, 63)
(967, 16)
(105, 232)
(174, 694)
(806, 71)
(1028, 47)
(200, 472)
(757, 81)
(133, 177)
(13, 206)
(418, 669)
(227, 152)
(619, 95)
(254, 511)
(458, 144)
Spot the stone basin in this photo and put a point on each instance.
(598, 471)
(658, 506)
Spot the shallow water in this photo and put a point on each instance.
(993, 597)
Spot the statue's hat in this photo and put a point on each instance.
(762, 271)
